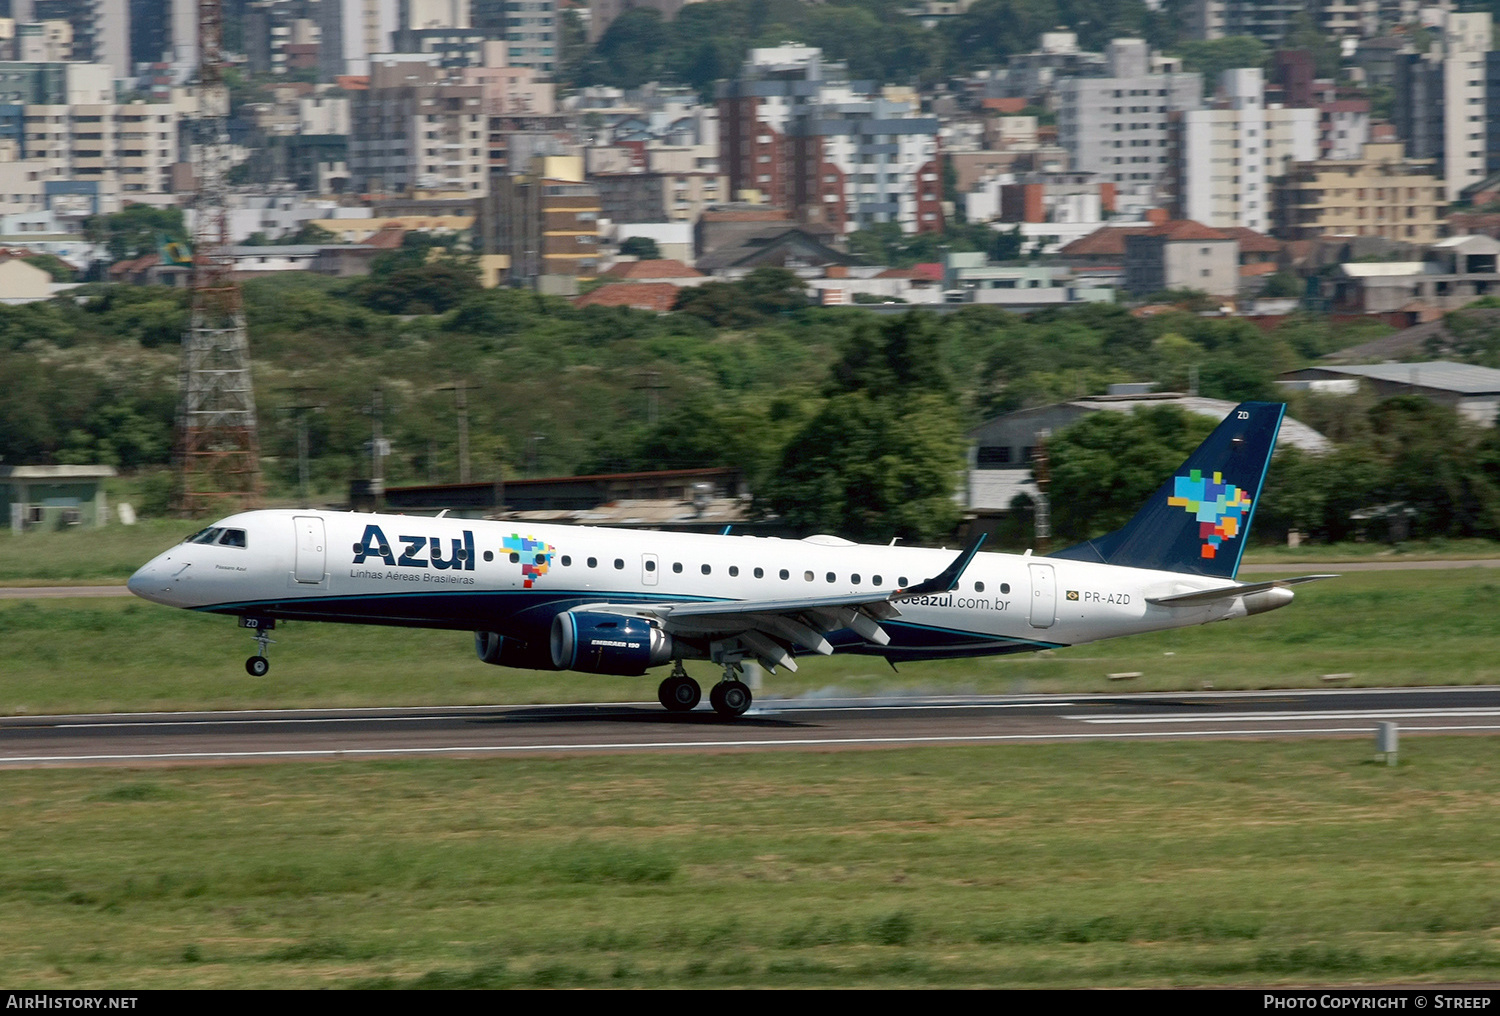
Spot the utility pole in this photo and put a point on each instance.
(301, 408)
(378, 447)
(651, 382)
(1041, 473)
(460, 390)
(217, 447)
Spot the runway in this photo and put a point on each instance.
(812, 723)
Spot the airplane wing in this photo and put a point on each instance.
(1199, 598)
(770, 630)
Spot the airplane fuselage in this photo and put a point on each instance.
(513, 579)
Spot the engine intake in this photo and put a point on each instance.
(607, 643)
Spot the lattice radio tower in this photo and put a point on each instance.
(218, 448)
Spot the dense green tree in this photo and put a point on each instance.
(1212, 57)
(53, 265)
(135, 230)
(763, 293)
(642, 247)
(870, 469)
(1105, 466)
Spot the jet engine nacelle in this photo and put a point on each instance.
(607, 643)
(503, 651)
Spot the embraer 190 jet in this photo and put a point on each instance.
(619, 602)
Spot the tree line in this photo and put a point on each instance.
(840, 419)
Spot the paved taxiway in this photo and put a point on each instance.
(813, 723)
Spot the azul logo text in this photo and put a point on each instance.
(416, 551)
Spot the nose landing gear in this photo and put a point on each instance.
(258, 665)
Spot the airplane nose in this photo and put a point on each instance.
(140, 583)
(152, 581)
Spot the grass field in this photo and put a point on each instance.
(1246, 863)
(1384, 628)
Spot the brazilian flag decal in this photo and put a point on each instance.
(177, 253)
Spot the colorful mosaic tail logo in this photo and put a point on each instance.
(1218, 506)
(534, 555)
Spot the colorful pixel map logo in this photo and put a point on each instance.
(1218, 506)
(536, 556)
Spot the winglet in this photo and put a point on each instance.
(948, 578)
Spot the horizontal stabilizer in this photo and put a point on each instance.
(1203, 596)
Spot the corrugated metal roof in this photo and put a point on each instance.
(1445, 375)
(1293, 432)
(994, 489)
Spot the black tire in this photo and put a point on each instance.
(257, 666)
(679, 694)
(730, 699)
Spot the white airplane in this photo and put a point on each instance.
(615, 601)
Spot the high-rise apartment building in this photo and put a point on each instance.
(1116, 126)
(529, 26)
(1382, 194)
(1271, 20)
(795, 130)
(545, 219)
(1225, 157)
(417, 128)
(101, 29)
(1441, 100)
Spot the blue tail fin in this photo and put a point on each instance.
(1199, 520)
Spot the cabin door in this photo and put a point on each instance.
(310, 564)
(1043, 595)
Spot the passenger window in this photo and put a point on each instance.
(650, 565)
(901, 582)
(677, 567)
(489, 555)
(515, 558)
(832, 577)
(1005, 587)
(619, 564)
(878, 581)
(760, 573)
(807, 576)
(706, 569)
(593, 562)
(854, 578)
(567, 561)
(979, 587)
(734, 571)
(785, 574)
(540, 559)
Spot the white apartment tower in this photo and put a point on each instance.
(1226, 155)
(1466, 40)
(1116, 126)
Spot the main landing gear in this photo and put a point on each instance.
(680, 693)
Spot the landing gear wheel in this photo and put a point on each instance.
(679, 693)
(730, 698)
(257, 666)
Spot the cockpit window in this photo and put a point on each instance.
(232, 538)
(205, 535)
